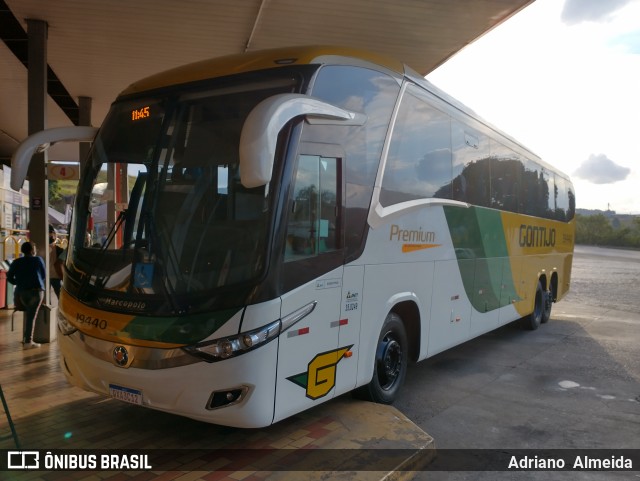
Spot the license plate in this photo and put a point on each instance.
(125, 394)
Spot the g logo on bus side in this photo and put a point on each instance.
(320, 377)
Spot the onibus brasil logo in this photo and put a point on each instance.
(320, 377)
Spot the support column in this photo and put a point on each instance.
(84, 117)
(45, 329)
(37, 111)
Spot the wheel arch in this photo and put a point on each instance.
(406, 305)
(409, 312)
(553, 287)
(542, 278)
(549, 282)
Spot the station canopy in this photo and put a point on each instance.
(96, 48)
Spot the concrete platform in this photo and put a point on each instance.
(355, 439)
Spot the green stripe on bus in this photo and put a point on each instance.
(481, 250)
(178, 330)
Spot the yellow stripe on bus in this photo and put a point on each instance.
(105, 325)
(252, 61)
(417, 247)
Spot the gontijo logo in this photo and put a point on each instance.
(536, 236)
(414, 240)
(320, 377)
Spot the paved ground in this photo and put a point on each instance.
(573, 383)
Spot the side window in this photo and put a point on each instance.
(572, 201)
(419, 163)
(471, 158)
(361, 90)
(565, 199)
(531, 191)
(506, 177)
(548, 192)
(314, 225)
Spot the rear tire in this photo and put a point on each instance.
(546, 309)
(390, 364)
(533, 320)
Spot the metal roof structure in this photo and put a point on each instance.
(96, 49)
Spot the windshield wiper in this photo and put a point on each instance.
(100, 256)
(165, 282)
(132, 208)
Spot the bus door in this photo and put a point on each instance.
(309, 351)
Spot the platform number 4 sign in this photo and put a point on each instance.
(63, 172)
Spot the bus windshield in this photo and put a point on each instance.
(164, 213)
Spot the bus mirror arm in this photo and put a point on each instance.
(357, 119)
(40, 142)
(260, 130)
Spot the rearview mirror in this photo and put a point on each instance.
(41, 141)
(260, 130)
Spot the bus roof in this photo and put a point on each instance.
(305, 55)
(258, 60)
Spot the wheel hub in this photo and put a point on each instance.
(389, 362)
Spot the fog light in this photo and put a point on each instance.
(225, 398)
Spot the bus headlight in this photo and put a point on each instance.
(233, 346)
(64, 326)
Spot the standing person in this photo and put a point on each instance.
(28, 274)
(55, 262)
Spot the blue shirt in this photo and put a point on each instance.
(27, 273)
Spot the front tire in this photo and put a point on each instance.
(390, 365)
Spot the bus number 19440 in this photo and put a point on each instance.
(91, 321)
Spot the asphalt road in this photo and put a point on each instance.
(574, 383)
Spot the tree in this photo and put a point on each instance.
(593, 229)
(55, 193)
(600, 230)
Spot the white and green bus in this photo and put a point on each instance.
(291, 225)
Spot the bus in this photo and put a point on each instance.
(287, 226)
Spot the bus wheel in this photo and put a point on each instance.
(533, 320)
(390, 365)
(546, 308)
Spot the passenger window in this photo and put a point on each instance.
(561, 195)
(419, 163)
(471, 158)
(313, 226)
(549, 192)
(531, 191)
(506, 176)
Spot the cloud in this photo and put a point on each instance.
(599, 169)
(576, 11)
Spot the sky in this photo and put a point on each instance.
(563, 78)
